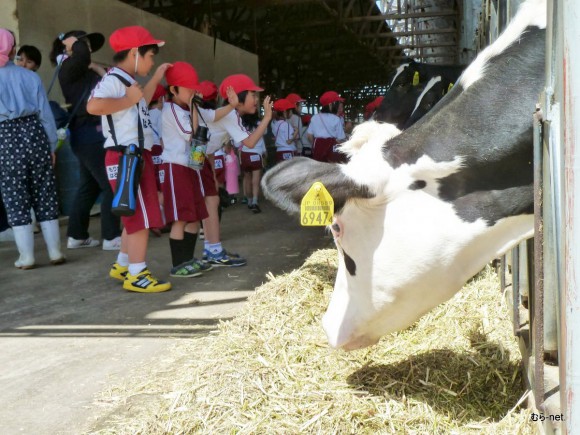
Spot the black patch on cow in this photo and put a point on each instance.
(489, 126)
(287, 183)
(349, 263)
(417, 185)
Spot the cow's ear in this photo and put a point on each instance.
(287, 183)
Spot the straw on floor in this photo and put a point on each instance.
(270, 370)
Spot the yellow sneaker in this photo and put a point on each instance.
(144, 282)
(118, 272)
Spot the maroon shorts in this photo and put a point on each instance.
(284, 155)
(219, 166)
(207, 180)
(251, 161)
(156, 151)
(182, 197)
(322, 148)
(148, 213)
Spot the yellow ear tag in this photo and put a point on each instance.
(416, 78)
(317, 207)
(449, 87)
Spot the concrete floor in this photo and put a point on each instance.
(67, 332)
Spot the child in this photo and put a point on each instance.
(306, 144)
(252, 163)
(246, 89)
(134, 49)
(326, 130)
(296, 120)
(27, 144)
(284, 134)
(29, 57)
(184, 203)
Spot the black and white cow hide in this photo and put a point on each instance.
(420, 212)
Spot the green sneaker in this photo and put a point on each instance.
(189, 269)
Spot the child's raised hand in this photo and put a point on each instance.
(134, 93)
(232, 96)
(267, 104)
(160, 71)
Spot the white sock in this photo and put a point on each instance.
(135, 268)
(215, 248)
(205, 245)
(123, 259)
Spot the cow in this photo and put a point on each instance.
(419, 212)
(430, 96)
(404, 93)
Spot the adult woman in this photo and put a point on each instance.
(78, 75)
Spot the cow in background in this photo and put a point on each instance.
(418, 213)
(415, 85)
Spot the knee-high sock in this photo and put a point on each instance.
(191, 239)
(180, 252)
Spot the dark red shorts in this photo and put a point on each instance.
(207, 180)
(219, 166)
(182, 197)
(322, 148)
(148, 213)
(251, 161)
(284, 155)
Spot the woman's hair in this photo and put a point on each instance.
(209, 104)
(32, 53)
(122, 55)
(250, 121)
(330, 108)
(58, 47)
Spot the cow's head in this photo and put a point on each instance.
(402, 249)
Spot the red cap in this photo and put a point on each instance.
(160, 91)
(182, 74)
(209, 90)
(377, 101)
(329, 97)
(306, 118)
(283, 104)
(126, 38)
(240, 83)
(295, 98)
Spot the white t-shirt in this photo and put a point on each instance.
(325, 125)
(125, 121)
(176, 132)
(296, 123)
(231, 125)
(305, 141)
(155, 115)
(283, 132)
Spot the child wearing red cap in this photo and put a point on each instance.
(184, 204)
(134, 49)
(231, 125)
(326, 130)
(296, 119)
(252, 164)
(284, 133)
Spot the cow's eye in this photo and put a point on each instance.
(336, 229)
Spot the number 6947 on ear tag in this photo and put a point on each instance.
(317, 206)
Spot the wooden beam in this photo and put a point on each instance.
(410, 33)
(384, 17)
(415, 46)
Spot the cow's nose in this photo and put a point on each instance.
(359, 343)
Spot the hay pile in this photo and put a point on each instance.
(270, 371)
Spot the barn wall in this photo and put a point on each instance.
(38, 22)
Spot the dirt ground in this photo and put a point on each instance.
(67, 332)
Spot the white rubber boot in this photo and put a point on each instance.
(24, 238)
(51, 234)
